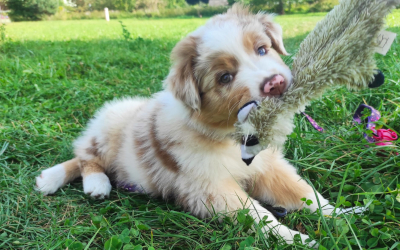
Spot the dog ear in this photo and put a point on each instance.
(181, 80)
(274, 32)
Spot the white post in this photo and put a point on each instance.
(106, 14)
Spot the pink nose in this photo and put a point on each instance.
(274, 86)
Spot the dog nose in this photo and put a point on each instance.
(274, 86)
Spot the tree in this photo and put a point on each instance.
(3, 5)
(31, 10)
(282, 6)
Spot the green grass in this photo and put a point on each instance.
(54, 75)
(180, 12)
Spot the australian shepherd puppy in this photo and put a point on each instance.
(178, 143)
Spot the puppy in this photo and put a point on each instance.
(178, 143)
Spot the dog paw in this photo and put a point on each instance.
(50, 180)
(330, 210)
(289, 235)
(351, 210)
(313, 244)
(97, 185)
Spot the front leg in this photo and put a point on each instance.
(228, 196)
(280, 185)
(95, 181)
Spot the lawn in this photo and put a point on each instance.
(55, 74)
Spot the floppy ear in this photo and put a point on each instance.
(181, 81)
(274, 32)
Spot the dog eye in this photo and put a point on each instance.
(262, 51)
(226, 78)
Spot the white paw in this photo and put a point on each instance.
(352, 210)
(312, 243)
(50, 179)
(288, 236)
(328, 210)
(97, 185)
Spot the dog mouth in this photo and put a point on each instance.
(272, 87)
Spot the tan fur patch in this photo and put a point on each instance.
(219, 102)
(286, 188)
(90, 167)
(248, 42)
(141, 149)
(72, 170)
(94, 148)
(167, 160)
(160, 147)
(219, 110)
(274, 33)
(209, 71)
(252, 40)
(223, 63)
(210, 199)
(181, 80)
(238, 198)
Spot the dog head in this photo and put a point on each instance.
(231, 60)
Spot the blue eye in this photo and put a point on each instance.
(262, 51)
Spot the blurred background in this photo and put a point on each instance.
(33, 10)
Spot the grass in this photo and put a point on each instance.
(54, 75)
